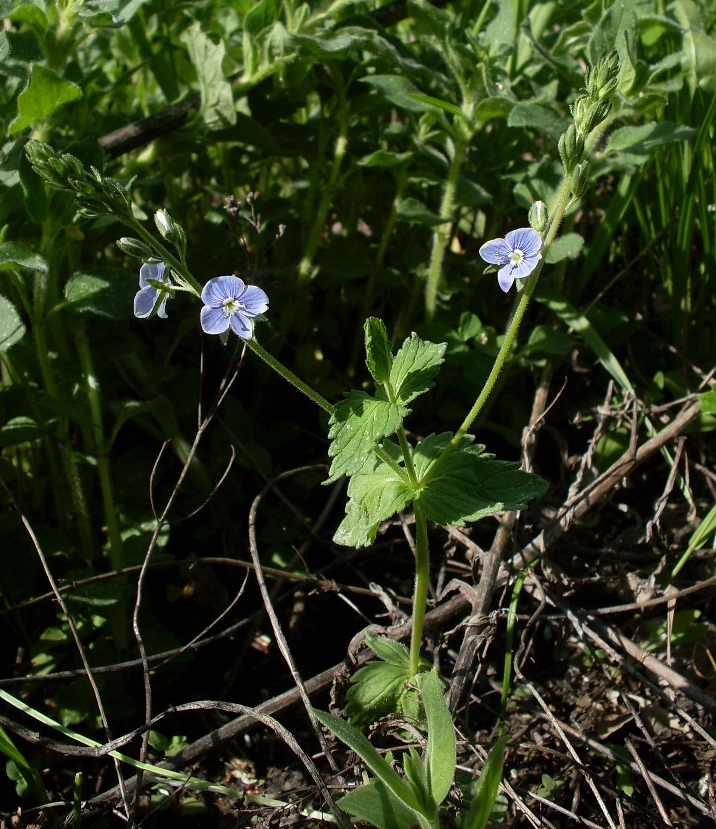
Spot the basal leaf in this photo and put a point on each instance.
(375, 804)
(45, 93)
(413, 210)
(379, 357)
(394, 653)
(635, 143)
(377, 764)
(440, 753)
(105, 291)
(470, 485)
(357, 424)
(375, 691)
(414, 366)
(485, 791)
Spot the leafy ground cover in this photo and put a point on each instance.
(180, 590)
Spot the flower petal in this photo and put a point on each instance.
(505, 278)
(151, 270)
(254, 300)
(214, 320)
(218, 290)
(144, 301)
(526, 239)
(496, 251)
(162, 310)
(241, 325)
(526, 266)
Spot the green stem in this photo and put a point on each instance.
(288, 375)
(165, 255)
(420, 594)
(441, 235)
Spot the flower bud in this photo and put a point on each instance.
(571, 148)
(579, 179)
(134, 247)
(603, 79)
(538, 216)
(169, 229)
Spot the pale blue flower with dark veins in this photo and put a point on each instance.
(146, 298)
(229, 302)
(519, 252)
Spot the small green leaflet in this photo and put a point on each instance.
(378, 356)
(414, 366)
(357, 424)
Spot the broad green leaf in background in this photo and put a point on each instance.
(105, 291)
(217, 100)
(568, 246)
(539, 117)
(636, 143)
(413, 210)
(45, 93)
(357, 424)
(399, 91)
(12, 328)
(15, 253)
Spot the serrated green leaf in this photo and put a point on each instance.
(12, 328)
(379, 357)
(390, 651)
(470, 485)
(357, 424)
(414, 366)
(375, 692)
(45, 93)
(217, 100)
(376, 493)
(377, 764)
(374, 804)
(440, 753)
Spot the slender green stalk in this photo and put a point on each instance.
(563, 198)
(441, 235)
(288, 375)
(166, 256)
(420, 593)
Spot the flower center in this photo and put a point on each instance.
(516, 256)
(231, 307)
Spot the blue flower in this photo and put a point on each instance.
(519, 252)
(229, 302)
(146, 298)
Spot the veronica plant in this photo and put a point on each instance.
(446, 478)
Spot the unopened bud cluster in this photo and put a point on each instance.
(589, 112)
(96, 194)
(171, 231)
